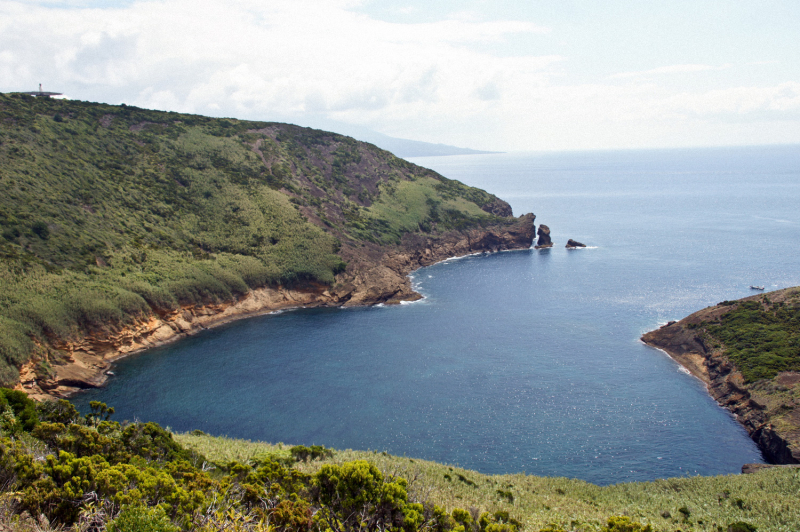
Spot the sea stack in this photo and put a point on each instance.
(572, 244)
(544, 237)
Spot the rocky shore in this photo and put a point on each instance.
(374, 275)
(767, 408)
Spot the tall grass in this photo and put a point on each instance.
(767, 500)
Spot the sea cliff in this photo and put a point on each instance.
(124, 228)
(376, 276)
(766, 407)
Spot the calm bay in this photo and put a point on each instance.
(516, 361)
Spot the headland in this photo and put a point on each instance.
(760, 391)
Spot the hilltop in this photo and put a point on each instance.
(123, 228)
(748, 353)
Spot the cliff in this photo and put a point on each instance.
(768, 406)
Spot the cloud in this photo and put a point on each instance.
(666, 70)
(322, 59)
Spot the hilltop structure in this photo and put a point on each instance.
(41, 94)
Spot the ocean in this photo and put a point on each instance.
(523, 361)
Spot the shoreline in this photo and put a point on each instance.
(756, 406)
(383, 281)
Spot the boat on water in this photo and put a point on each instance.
(754, 287)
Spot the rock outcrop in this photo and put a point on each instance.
(544, 237)
(373, 276)
(767, 408)
(572, 244)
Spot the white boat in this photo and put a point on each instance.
(754, 287)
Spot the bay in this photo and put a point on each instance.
(517, 361)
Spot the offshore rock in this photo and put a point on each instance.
(544, 237)
(574, 244)
(765, 408)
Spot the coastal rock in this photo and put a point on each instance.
(498, 207)
(772, 422)
(749, 469)
(544, 237)
(571, 244)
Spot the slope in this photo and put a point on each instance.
(114, 215)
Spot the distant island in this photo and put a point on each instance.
(124, 228)
(400, 147)
(748, 354)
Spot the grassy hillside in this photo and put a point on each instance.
(108, 213)
(767, 500)
(61, 471)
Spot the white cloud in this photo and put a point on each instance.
(670, 69)
(434, 81)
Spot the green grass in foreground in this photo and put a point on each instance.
(767, 500)
(63, 472)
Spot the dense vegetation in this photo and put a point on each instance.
(109, 213)
(761, 337)
(61, 471)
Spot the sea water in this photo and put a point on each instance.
(516, 361)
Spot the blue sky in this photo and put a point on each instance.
(501, 75)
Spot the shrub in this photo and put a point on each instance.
(624, 524)
(141, 519)
(741, 526)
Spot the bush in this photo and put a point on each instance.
(741, 526)
(624, 524)
(141, 519)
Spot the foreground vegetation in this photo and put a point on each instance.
(62, 471)
(112, 213)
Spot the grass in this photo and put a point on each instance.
(767, 500)
(761, 338)
(111, 213)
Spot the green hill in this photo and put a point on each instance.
(112, 213)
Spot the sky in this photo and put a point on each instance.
(506, 75)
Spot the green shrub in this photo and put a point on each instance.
(23, 408)
(141, 519)
(624, 524)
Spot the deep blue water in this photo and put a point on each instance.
(518, 361)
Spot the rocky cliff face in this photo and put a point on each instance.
(767, 408)
(374, 276)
